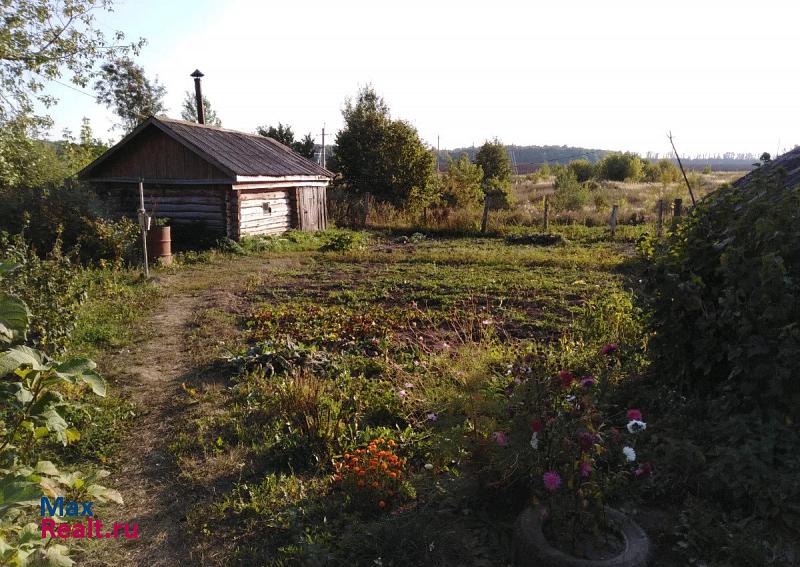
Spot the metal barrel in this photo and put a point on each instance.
(159, 245)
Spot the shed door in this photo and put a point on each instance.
(312, 208)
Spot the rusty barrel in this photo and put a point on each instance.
(159, 245)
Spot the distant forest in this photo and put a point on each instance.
(527, 159)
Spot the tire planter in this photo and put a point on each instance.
(531, 548)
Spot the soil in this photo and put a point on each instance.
(152, 373)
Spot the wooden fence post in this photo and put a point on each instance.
(546, 213)
(614, 210)
(676, 213)
(485, 219)
(660, 219)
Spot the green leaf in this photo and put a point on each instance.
(82, 369)
(95, 381)
(46, 467)
(17, 490)
(21, 356)
(14, 318)
(57, 556)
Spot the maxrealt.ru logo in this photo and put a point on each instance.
(72, 510)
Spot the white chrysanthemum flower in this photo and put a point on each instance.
(428, 467)
(535, 440)
(630, 454)
(635, 426)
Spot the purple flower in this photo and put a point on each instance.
(500, 438)
(402, 393)
(588, 381)
(585, 469)
(552, 480)
(644, 470)
(609, 348)
(585, 440)
(432, 416)
(567, 378)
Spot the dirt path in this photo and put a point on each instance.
(150, 375)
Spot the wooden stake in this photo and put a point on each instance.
(546, 213)
(143, 225)
(676, 213)
(614, 210)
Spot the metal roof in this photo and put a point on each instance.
(236, 153)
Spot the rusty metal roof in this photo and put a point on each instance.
(237, 153)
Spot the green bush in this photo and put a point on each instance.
(663, 171)
(727, 320)
(51, 288)
(570, 195)
(582, 168)
(72, 215)
(620, 166)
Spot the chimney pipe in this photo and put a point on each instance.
(198, 95)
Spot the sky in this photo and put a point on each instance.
(722, 76)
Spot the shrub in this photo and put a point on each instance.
(73, 215)
(663, 171)
(569, 194)
(582, 169)
(619, 166)
(727, 322)
(50, 287)
(346, 242)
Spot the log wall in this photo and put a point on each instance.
(179, 203)
(265, 211)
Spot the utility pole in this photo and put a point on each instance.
(323, 145)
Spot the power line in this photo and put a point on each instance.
(76, 89)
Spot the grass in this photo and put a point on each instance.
(347, 346)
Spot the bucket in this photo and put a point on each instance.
(159, 245)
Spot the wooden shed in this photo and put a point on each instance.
(235, 183)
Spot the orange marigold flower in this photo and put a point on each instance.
(384, 466)
(360, 472)
(392, 474)
(392, 443)
(375, 484)
(381, 504)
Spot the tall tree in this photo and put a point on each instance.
(42, 40)
(189, 110)
(493, 159)
(283, 133)
(382, 156)
(124, 87)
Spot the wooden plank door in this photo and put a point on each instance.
(311, 208)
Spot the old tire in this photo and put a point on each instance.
(531, 548)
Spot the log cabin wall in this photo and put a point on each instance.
(265, 211)
(181, 204)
